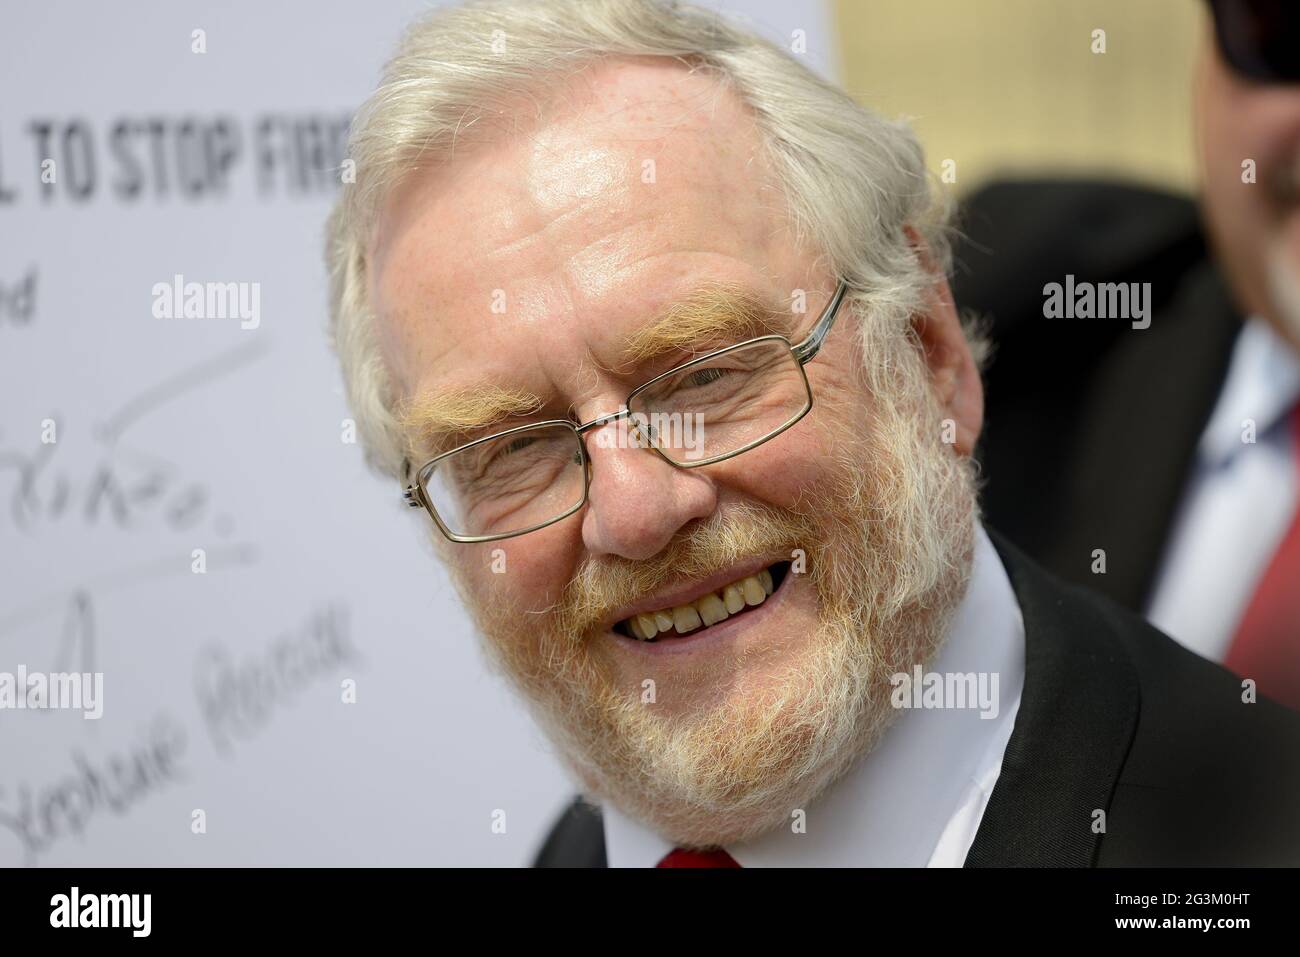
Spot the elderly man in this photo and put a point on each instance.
(653, 325)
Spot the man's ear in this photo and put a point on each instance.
(953, 373)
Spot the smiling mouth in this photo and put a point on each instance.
(737, 598)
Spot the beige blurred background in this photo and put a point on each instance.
(1012, 87)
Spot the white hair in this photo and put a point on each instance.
(852, 179)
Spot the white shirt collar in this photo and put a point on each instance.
(917, 798)
(1262, 384)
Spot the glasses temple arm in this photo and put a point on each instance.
(809, 347)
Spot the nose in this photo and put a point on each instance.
(637, 501)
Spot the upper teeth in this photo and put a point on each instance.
(704, 611)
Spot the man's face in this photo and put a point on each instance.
(639, 185)
(1255, 226)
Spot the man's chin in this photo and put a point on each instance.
(733, 772)
(741, 768)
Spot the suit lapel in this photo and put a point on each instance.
(576, 840)
(1078, 714)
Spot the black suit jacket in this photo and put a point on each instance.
(1091, 426)
(1115, 716)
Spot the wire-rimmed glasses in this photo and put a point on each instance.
(707, 410)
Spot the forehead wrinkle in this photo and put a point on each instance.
(712, 311)
(433, 420)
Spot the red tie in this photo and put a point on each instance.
(1267, 644)
(680, 857)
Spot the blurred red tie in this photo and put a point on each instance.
(1266, 646)
(680, 857)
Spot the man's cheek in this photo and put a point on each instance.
(785, 469)
(523, 572)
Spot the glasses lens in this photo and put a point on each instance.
(509, 483)
(722, 404)
(1260, 39)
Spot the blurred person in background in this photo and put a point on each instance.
(1161, 465)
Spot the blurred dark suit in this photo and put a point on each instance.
(1091, 426)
